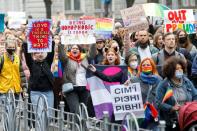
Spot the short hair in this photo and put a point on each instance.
(170, 64)
(131, 54)
(167, 34)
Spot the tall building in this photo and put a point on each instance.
(76, 8)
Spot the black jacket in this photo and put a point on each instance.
(41, 77)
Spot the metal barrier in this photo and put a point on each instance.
(17, 114)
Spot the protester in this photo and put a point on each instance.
(167, 52)
(74, 74)
(132, 61)
(57, 70)
(158, 41)
(41, 81)
(114, 44)
(143, 47)
(184, 42)
(149, 79)
(173, 92)
(10, 79)
(112, 59)
(100, 44)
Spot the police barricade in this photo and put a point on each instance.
(20, 115)
(17, 114)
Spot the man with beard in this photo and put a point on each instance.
(168, 51)
(143, 47)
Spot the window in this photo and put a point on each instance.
(72, 4)
(188, 3)
(67, 4)
(76, 4)
(97, 4)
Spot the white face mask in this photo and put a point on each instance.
(133, 65)
(178, 74)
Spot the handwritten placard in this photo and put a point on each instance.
(78, 31)
(134, 18)
(180, 19)
(39, 36)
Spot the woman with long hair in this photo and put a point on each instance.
(184, 42)
(149, 79)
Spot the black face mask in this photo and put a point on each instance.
(182, 40)
(10, 51)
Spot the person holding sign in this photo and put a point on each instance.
(111, 58)
(149, 79)
(74, 76)
(173, 92)
(41, 81)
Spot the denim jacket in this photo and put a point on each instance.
(165, 109)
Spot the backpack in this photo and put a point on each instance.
(187, 115)
(1, 62)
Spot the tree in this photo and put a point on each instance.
(48, 4)
(130, 3)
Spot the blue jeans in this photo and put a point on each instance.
(49, 98)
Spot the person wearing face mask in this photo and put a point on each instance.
(173, 92)
(132, 62)
(10, 78)
(184, 42)
(143, 46)
(149, 79)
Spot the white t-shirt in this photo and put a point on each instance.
(144, 53)
(81, 76)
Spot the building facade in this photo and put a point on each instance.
(76, 8)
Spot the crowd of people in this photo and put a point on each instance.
(160, 62)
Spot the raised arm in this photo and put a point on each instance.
(28, 56)
(62, 54)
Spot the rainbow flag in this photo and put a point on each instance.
(56, 69)
(150, 111)
(168, 94)
(129, 72)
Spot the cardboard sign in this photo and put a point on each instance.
(104, 27)
(127, 99)
(134, 18)
(180, 19)
(2, 22)
(39, 36)
(16, 19)
(77, 31)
